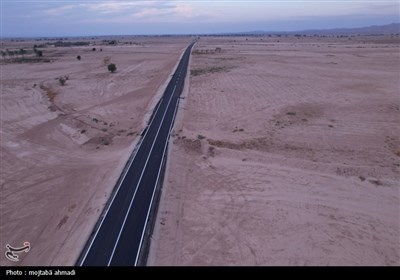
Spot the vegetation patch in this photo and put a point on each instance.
(111, 67)
(214, 69)
(69, 44)
(51, 94)
(238, 130)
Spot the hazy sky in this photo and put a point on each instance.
(68, 18)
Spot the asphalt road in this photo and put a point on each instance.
(120, 234)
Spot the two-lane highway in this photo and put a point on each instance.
(118, 239)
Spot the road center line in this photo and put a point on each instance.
(119, 186)
(155, 185)
(141, 175)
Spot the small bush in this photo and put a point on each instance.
(78, 57)
(62, 81)
(111, 67)
(94, 49)
(216, 69)
(39, 53)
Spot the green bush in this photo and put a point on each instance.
(111, 67)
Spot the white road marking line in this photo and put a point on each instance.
(140, 179)
(155, 186)
(119, 186)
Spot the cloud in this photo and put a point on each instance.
(152, 13)
(171, 16)
(57, 11)
(143, 11)
(123, 6)
(184, 11)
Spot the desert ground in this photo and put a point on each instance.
(286, 151)
(63, 147)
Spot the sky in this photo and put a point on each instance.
(32, 18)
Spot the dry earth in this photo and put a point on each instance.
(64, 147)
(286, 152)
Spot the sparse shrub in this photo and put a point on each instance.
(70, 44)
(38, 53)
(94, 49)
(200, 137)
(22, 52)
(215, 69)
(62, 81)
(376, 182)
(111, 67)
(291, 113)
(78, 57)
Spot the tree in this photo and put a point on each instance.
(37, 52)
(78, 57)
(22, 52)
(111, 67)
(10, 53)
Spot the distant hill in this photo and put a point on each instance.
(393, 28)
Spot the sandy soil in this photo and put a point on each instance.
(64, 147)
(286, 152)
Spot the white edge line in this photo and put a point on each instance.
(126, 172)
(155, 186)
(119, 186)
(140, 179)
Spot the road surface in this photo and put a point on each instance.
(119, 237)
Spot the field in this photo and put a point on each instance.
(63, 147)
(286, 151)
